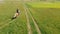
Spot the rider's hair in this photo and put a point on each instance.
(17, 11)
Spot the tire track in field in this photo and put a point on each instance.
(6, 24)
(2, 23)
(36, 26)
(28, 23)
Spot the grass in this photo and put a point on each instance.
(48, 18)
(18, 26)
(34, 31)
(44, 5)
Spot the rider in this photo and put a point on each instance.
(16, 14)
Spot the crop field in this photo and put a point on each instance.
(34, 18)
(45, 4)
(23, 24)
(7, 26)
(47, 16)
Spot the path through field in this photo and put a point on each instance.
(36, 26)
(38, 30)
(28, 23)
(29, 27)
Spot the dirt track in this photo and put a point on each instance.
(28, 23)
(36, 26)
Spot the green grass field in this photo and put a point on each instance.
(45, 5)
(47, 16)
(18, 26)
